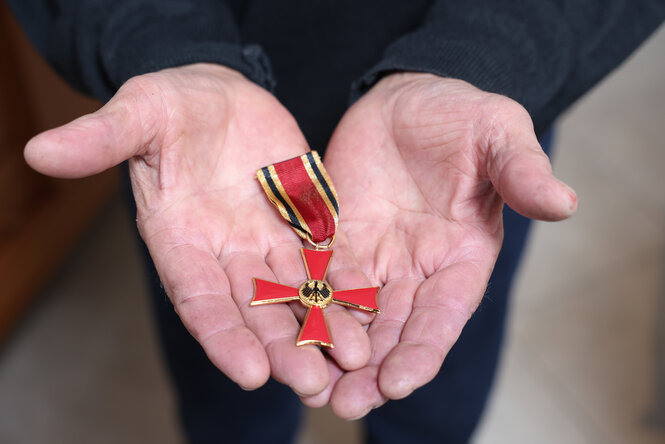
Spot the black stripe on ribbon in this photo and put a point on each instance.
(322, 181)
(292, 216)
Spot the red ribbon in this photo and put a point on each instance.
(302, 191)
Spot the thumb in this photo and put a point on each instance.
(121, 129)
(522, 174)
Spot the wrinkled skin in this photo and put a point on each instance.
(194, 137)
(422, 166)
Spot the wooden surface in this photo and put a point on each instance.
(40, 218)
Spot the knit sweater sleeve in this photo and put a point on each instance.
(542, 53)
(97, 45)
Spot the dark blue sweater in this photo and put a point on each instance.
(318, 55)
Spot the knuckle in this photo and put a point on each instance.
(503, 112)
(501, 121)
(140, 86)
(142, 100)
(516, 114)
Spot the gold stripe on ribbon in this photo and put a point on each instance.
(317, 183)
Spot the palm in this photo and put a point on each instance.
(200, 214)
(195, 137)
(191, 186)
(413, 165)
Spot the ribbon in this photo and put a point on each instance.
(303, 193)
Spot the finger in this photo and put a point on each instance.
(351, 349)
(301, 368)
(351, 344)
(442, 306)
(366, 394)
(357, 393)
(522, 173)
(345, 273)
(323, 398)
(121, 129)
(201, 295)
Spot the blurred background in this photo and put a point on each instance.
(584, 361)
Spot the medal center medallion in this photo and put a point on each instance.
(315, 293)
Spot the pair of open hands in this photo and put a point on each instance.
(422, 166)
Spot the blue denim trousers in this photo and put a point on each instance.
(447, 410)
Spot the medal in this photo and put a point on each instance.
(305, 197)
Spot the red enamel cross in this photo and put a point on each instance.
(315, 294)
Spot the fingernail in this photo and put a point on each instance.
(572, 198)
(355, 418)
(375, 406)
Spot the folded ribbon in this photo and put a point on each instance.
(303, 193)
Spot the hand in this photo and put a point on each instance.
(422, 166)
(194, 137)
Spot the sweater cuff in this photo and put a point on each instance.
(140, 37)
(515, 65)
(249, 60)
(482, 66)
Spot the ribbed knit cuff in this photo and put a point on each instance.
(492, 48)
(142, 37)
(479, 65)
(250, 60)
